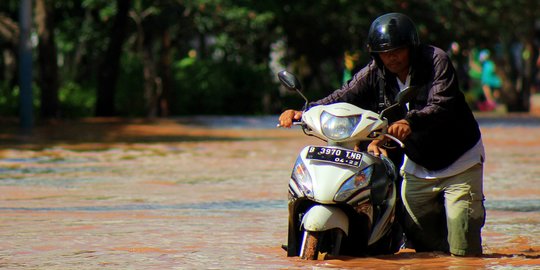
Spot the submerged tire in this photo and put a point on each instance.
(310, 246)
(316, 243)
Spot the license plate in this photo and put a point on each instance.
(335, 155)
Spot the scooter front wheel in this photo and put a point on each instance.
(316, 244)
(310, 246)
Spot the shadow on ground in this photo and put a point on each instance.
(120, 130)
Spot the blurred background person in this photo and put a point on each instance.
(459, 60)
(491, 82)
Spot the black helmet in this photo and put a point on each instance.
(392, 31)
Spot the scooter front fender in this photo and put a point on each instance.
(323, 217)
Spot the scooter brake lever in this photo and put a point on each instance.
(401, 144)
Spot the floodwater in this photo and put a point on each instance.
(210, 193)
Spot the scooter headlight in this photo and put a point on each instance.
(338, 128)
(353, 184)
(301, 177)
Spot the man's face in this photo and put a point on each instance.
(397, 61)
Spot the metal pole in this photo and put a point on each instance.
(25, 67)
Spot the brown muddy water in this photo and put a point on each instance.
(167, 195)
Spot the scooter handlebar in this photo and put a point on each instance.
(298, 123)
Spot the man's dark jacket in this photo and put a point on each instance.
(443, 126)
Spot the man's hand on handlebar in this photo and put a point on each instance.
(400, 129)
(287, 117)
(375, 147)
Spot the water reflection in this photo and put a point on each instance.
(211, 206)
(233, 122)
(521, 205)
(49, 182)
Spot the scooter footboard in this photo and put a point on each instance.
(324, 217)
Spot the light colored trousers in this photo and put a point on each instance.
(447, 213)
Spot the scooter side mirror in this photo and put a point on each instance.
(289, 81)
(406, 95)
(393, 112)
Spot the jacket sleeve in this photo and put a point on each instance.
(442, 92)
(355, 91)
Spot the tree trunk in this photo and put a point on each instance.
(25, 67)
(48, 68)
(166, 75)
(9, 33)
(108, 72)
(530, 63)
(152, 83)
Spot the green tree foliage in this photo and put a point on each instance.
(219, 56)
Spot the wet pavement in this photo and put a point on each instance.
(211, 194)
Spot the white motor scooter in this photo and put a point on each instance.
(342, 201)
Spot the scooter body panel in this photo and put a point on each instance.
(326, 178)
